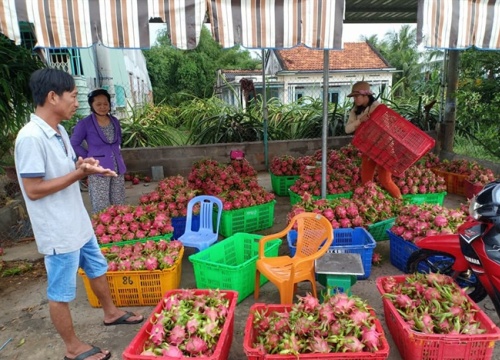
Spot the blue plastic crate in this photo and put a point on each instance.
(348, 240)
(179, 225)
(400, 251)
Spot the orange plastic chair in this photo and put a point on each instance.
(314, 237)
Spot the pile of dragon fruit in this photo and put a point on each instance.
(476, 173)
(171, 196)
(287, 165)
(343, 172)
(418, 221)
(341, 324)
(189, 324)
(348, 151)
(368, 205)
(336, 182)
(236, 190)
(433, 304)
(150, 255)
(127, 222)
(420, 180)
(235, 184)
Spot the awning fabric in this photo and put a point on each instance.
(114, 23)
(459, 24)
(268, 24)
(125, 23)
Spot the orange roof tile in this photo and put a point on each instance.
(354, 56)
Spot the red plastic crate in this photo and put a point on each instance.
(416, 345)
(136, 346)
(391, 141)
(471, 189)
(255, 354)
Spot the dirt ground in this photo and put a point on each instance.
(26, 332)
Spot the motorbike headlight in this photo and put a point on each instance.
(473, 208)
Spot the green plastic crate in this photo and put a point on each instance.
(230, 264)
(378, 230)
(132, 242)
(434, 198)
(281, 184)
(336, 284)
(296, 198)
(247, 220)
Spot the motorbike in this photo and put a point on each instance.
(471, 257)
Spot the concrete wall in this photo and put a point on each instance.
(178, 160)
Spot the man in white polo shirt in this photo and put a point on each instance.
(48, 173)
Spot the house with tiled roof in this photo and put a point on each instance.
(297, 73)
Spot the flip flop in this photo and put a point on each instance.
(122, 320)
(95, 350)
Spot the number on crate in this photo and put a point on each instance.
(127, 280)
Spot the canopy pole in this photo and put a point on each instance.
(324, 144)
(451, 101)
(264, 107)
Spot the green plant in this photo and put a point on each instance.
(16, 67)
(150, 126)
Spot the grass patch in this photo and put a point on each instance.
(470, 148)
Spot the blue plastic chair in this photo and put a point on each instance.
(206, 235)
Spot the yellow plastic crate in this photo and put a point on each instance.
(138, 288)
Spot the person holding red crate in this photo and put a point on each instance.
(364, 104)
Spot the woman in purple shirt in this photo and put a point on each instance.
(102, 134)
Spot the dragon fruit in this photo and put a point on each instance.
(172, 352)
(417, 221)
(181, 329)
(311, 327)
(368, 205)
(125, 222)
(432, 304)
(149, 256)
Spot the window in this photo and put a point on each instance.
(68, 60)
(333, 97)
(28, 39)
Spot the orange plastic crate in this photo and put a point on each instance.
(455, 183)
(391, 141)
(221, 352)
(137, 288)
(256, 354)
(416, 345)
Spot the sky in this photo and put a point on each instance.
(353, 32)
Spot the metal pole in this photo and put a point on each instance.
(324, 143)
(264, 107)
(450, 108)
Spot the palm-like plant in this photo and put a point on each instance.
(16, 66)
(151, 126)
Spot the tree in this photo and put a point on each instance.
(16, 65)
(478, 99)
(177, 74)
(401, 52)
